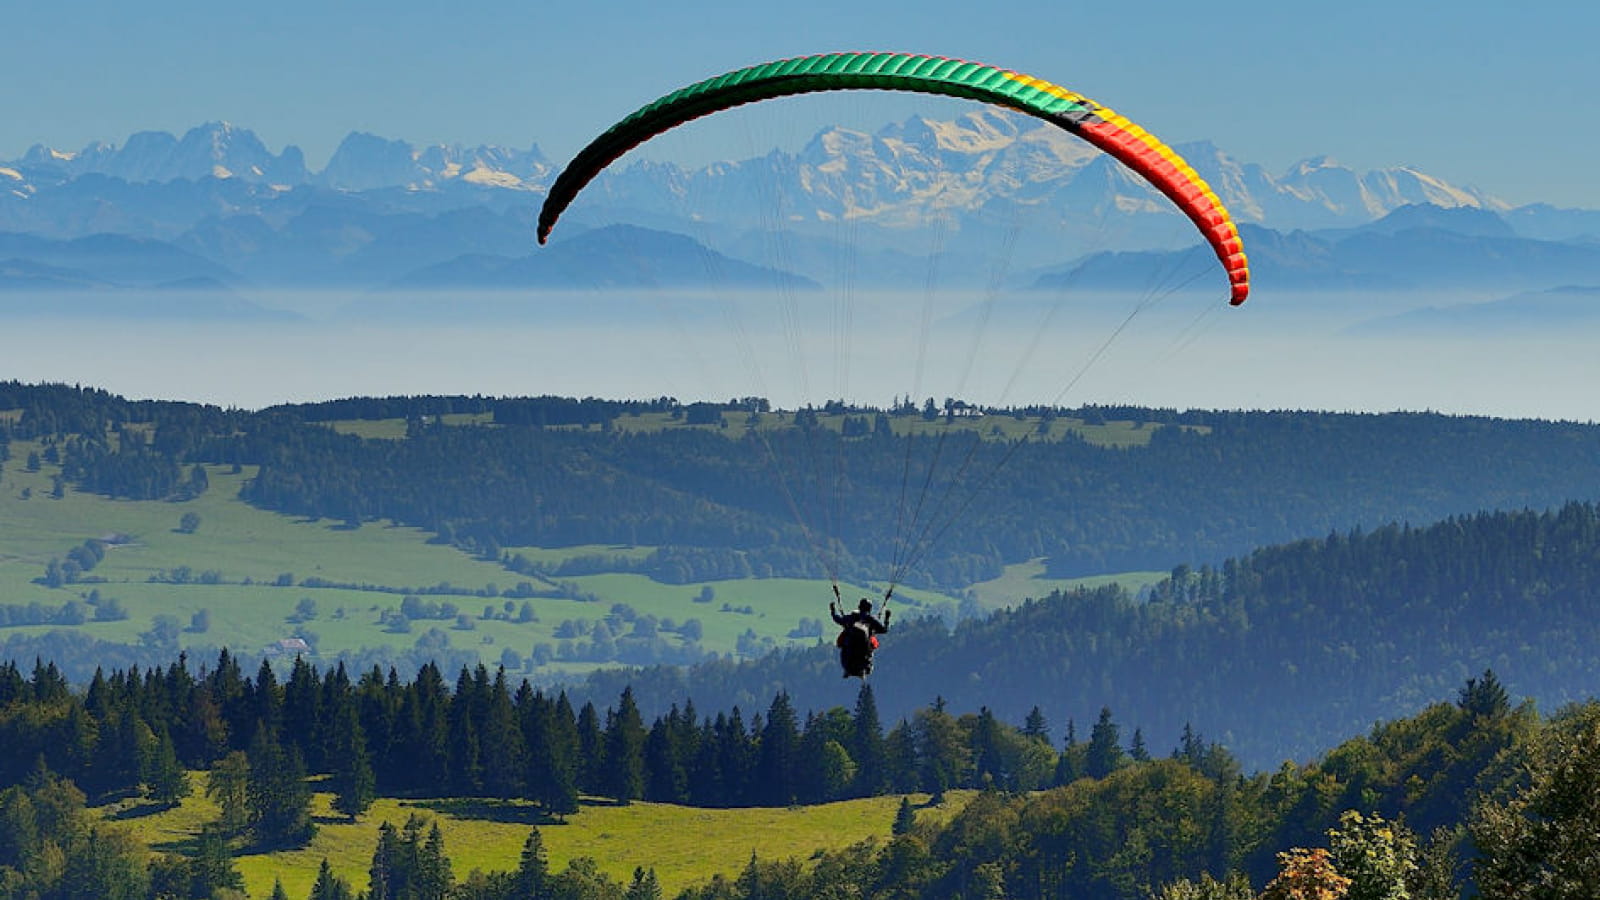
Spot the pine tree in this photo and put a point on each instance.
(665, 778)
(353, 784)
(1073, 762)
(987, 758)
(228, 785)
(302, 706)
(383, 876)
(1036, 727)
(624, 743)
(532, 880)
(1105, 748)
(1484, 697)
(163, 776)
(1137, 750)
(866, 746)
(328, 886)
(905, 818)
(591, 751)
(212, 867)
(506, 761)
(433, 877)
(644, 886)
(776, 768)
(553, 764)
(280, 799)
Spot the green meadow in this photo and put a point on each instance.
(248, 569)
(684, 845)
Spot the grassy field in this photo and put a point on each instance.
(231, 564)
(1024, 581)
(249, 550)
(684, 845)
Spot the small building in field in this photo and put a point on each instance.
(291, 646)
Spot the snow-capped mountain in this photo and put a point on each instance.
(906, 175)
(367, 162)
(212, 150)
(383, 208)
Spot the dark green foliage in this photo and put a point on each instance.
(532, 877)
(1208, 484)
(1104, 755)
(1285, 650)
(1536, 838)
(49, 849)
(163, 775)
(279, 798)
(1141, 826)
(408, 866)
(623, 777)
(212, 866)
(329, 886)
(904, 818)
(353, 784)
(778, 767)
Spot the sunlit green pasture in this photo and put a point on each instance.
(232, 564)
(245, 551)
(395, 429)
(684, 845)
(1025, 581)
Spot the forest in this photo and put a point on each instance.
(724, 499)
(1280, 651)
(1473, 794)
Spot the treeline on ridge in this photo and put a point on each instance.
(1280, 651)
(1223, 483)
(1105, 817)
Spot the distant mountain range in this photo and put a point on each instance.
(217, 205)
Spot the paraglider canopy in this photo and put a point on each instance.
(1125, 141)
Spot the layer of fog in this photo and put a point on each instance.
(1311, 351)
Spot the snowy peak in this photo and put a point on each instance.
(368, 162)
(212, 150)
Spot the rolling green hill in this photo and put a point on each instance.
(684, 845)
(249, 569)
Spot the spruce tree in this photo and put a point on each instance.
(163, 776)
(591, 751)
(1105, 748)
(328, 886)
(506, 760)
(532, 880)
(433, 877)
(280, 799)
(212, 867)
(904, 818)
(779, 755)
(353, 784)
(867, 747)
(624, 743)
(228, 785)
(1137, 751)
(644, 886)
(384, 877)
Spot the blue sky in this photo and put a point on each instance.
(1499, 96)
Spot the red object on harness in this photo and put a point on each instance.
(872, 640)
